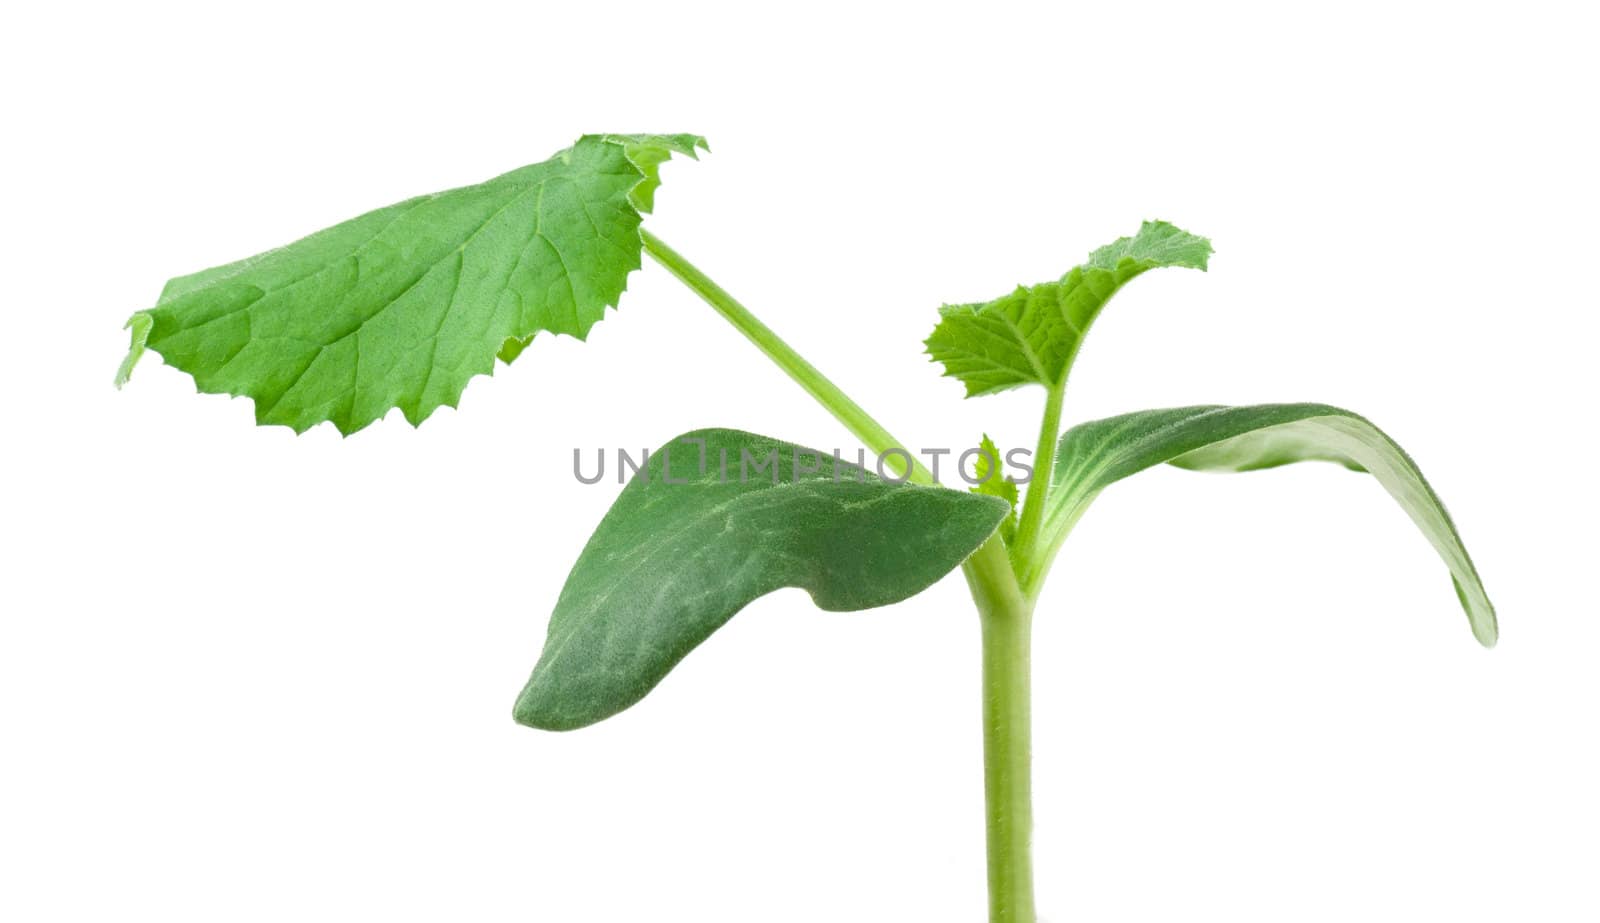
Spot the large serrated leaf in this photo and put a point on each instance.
(402, 306)
(1032, 335)
(716, 519)
(1210, 438)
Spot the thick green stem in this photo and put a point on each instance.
(1006, 619)
(1005, 612)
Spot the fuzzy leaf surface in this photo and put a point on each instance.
(704, 529)
(1210, 438)
(404, 305)
(1031, 336)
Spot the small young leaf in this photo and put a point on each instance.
(992, 482)
(1094, 455)
(402, 306)
(717, 518)
(1032, 335)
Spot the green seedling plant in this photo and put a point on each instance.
(403, 306)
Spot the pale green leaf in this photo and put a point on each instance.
(402, 306)
(1032, 335)
(992, 481)
(716, 519)
(1094, 455)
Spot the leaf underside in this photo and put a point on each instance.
(1032, 335)
(403, 306)
(1211, 438)
(704, 529)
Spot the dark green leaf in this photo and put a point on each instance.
(716, 519)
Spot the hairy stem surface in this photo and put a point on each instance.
(1006, 614)
(1044, 455)
(1007, 620)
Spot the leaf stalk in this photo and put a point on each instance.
(806, 375)
(1033, 507)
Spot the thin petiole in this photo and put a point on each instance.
(806, 375)
(1044, 454)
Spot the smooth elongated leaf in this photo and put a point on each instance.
(1032, 335)
(1094, 455)
(402, 306)
(716, 519)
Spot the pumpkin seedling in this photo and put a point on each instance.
(403, 306)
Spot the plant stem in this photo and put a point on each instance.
(1006, 614)
(1007, 620)
(1044, 455)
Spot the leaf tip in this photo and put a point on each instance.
(1480, 612)
(140, 325)
(646, 153)
(532, 711)
(1158, 243)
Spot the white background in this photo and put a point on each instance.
(246, 676)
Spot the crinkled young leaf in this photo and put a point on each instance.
(402, 306)
(1094, 455)
(716, 519)
(1032, 335)
(992, 482)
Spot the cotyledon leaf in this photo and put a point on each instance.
(402, 306)
(715, 519)
(1211, 438)
(1032, 335)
